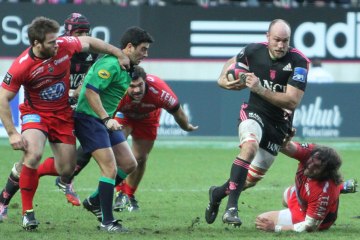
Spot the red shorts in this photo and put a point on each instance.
(59, 126)
(141, 129)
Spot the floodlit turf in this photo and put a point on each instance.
(173, 197)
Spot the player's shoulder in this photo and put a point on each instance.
(23, 62)
(107, 61)
(155, 81)
(297, 55)
(255, 47)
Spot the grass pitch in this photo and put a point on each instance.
(174, 194)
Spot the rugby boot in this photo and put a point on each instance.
(231, 217)
(212, 209)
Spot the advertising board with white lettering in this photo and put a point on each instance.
(201, 32)
(326, 111)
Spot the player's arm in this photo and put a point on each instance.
(288, 100)
(15, 138)
(91, 44)
(223, 80)
(182, 120)
(309, 224)
(95, 103)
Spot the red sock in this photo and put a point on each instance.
(130, 191)
(120, 187)
(48, 168)
(28, 184)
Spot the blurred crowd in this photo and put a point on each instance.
(207, 3)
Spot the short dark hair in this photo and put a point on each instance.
(138, 72)
(331, 161)
(41, 26)
(135, 36)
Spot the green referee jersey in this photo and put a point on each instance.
(107, 79)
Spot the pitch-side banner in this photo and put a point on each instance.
(326, 111)
(191, 32)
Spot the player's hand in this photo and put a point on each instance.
(191, 128)
(124, 61)
(264, 224)
(237, 84)
(113, 125)
(253, 82)
(17, 141)
(289, 136)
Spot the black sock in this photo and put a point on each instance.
(238, 174)
(11, 187)
(118, 180)
(106, 193)
(221, 192)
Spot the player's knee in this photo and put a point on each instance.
(141, 160)
(32, 158)
(130, 166)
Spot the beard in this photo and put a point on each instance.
(48, 53)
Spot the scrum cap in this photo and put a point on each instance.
(76, 21)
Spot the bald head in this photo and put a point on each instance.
(278, 36)
(280, 24)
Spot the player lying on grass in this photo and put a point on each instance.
(312, 203)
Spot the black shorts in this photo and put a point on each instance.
(93, 134)
(274, 132)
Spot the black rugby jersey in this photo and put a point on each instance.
(80, 64)
(291, 69)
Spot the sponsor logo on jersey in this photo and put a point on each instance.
(299, 74)
(60, 60)
(288, 67)
(103, 74)
(89, 58)
(7, 78)
(31, 118)
(119, 115)
(53, 92)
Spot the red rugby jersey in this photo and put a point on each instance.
(46, 82)
(157, 95)
(319, 199)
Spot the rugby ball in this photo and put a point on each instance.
(236, 71)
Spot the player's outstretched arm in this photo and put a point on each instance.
(183, 121)
(91, 44)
